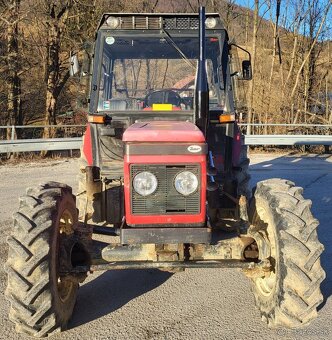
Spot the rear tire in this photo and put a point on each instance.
(42, 302)
(289, 295)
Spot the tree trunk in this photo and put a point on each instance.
(253, 58)
(306, 94)
(125, 81)
(247, 29)
(310, 50)
(290, 72)
(55, 78)
(274, 52)
(327, 98)
(54, 38)
(13, 66)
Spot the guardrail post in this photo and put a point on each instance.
(12, 137)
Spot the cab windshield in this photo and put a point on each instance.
(155, 73)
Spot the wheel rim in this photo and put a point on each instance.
(266, 285)
(65, 287)
(66, 223)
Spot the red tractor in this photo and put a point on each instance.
(163, 182)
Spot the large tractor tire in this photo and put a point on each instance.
(289, 294)
(41, 300)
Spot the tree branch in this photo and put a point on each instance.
(310, 50)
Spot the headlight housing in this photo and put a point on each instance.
(186, 183)
(145, 183)
(112, 22)
(210, 22)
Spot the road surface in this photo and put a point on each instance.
(195, 304)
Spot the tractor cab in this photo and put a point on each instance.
(147, 78)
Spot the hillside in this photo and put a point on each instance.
(292, 81)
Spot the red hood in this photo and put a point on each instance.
(163, 131)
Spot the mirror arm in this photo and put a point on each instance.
(243, 49)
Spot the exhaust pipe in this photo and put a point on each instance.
(202, 87)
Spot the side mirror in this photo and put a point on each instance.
(74, 67)
(86, 64)
(246, 65)
(246, 70)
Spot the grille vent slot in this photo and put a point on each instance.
(181, 23)
(140, 23)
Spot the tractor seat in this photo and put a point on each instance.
(163, 97)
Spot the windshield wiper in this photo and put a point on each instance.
(178, 49)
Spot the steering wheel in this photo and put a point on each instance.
(163, 97)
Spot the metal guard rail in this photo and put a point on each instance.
(31, 145)
(74, 143)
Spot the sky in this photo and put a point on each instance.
(264, 6)
(286, 12)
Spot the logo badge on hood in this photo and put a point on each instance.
(194, 148)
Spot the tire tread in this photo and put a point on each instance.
(301, 272)
(28, 264)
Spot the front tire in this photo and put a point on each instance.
(287, 296)
(42, 302)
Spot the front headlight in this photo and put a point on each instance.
(145, 183)
(210, 22)
(112, 22)
(186, 183)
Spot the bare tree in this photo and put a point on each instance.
(328, 111)
(56, 16)
(253, 58)
(315, 16)
(306, 58)
(276, 44)
(11, 18)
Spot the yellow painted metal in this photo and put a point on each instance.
(162, 107)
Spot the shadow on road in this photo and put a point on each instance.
(112, 290)
(314, 174)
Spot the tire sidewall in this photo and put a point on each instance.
(268, 303)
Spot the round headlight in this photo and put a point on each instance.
(112, 22)
(145, 183)
(210, 22)
(186, 183)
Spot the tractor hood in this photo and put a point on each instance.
(163, 131)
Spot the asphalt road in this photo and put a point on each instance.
(195, 304)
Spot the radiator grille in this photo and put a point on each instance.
(181, 23)
(166, 200)
(153, 22)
